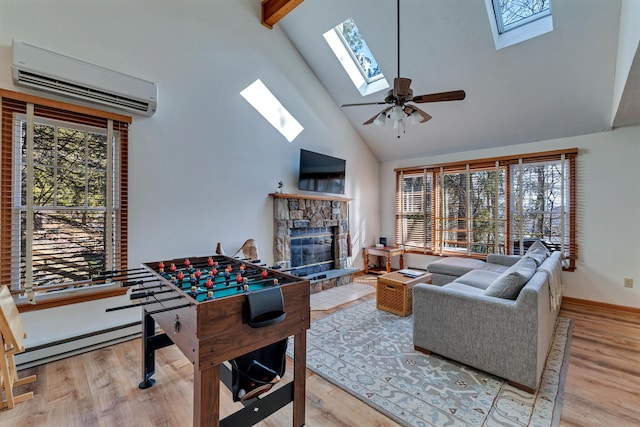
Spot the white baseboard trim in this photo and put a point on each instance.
(57, 350)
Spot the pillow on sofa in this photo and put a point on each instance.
(509, 284)
(538, 252)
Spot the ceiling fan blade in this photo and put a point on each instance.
(363, 103)
(425, 117)
(456, 95)
(401, 87)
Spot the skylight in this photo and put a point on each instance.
(261, 98)
(348, 45)
(514, 21)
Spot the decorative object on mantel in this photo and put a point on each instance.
(280, 186)
(369, 353)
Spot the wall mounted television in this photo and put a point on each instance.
(322, 173)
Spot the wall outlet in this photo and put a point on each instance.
(628, 283)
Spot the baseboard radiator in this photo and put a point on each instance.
(39, 355)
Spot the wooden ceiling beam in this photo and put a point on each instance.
(275, 10)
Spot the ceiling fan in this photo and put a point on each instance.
(400, 99)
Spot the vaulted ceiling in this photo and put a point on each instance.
(556, 85)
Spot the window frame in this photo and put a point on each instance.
(14, 106)
(434, 210)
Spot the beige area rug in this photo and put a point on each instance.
(333, 297)
(369, 353)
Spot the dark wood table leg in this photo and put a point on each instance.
(206, 397)
(401, 261)
(299, 377)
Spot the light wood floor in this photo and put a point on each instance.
(100, 388)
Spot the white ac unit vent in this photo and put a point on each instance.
(42, 69)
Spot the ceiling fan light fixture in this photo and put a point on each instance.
(379, 121)
(396, 113)
(416, 117)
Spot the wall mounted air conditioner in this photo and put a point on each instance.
(42, 69)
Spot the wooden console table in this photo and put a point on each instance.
(387, 251)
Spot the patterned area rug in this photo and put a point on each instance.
(369, 353)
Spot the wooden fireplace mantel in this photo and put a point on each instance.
(309, 197)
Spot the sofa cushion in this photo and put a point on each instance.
(480, 279)
(509, 283)
(538, 252)
(455, 266)
(464, 288)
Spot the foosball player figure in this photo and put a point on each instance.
(245, 286)
(210, 262)
(213, 273)
(239, 278)
(275, 282)
(180, 277)
(264, 274)
(209, 284)
(243, 269)
(192, 279)
(198, 274)
(209, 295)
(174, 280)
(194, 291)
(161, 267)
(172, 268)
(187, 262)
(227, 276)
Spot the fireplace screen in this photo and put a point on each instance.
(312, 250)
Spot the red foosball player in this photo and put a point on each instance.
(198, 273)
(213, 272)
(172, 268)
(180, 276)
(243, 269)
(209, 284)
(161, 267)
(187, 263)
(264, 274)
(239, 278)
(210, 261)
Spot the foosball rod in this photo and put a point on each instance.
(231, 281)
(140, 304)
(139, 282)
(148, 294)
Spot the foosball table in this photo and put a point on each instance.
(216, 309)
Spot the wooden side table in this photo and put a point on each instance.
(394, 292)
(387, 251)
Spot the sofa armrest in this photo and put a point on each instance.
(507, 260)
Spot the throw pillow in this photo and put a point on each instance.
(538, 252)
(509, 284)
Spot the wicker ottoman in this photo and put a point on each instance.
(394, 292)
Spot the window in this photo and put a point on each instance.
(512, 14)
(261, 98)
(514, 21)
(64, 199)
(348, 45)
(489, 206)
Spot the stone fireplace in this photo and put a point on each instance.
(310, 234)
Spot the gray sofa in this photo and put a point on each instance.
(478, 321)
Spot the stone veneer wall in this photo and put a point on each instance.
(299, 211)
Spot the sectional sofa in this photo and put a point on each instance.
(497, 316)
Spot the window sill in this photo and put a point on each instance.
(91, 295)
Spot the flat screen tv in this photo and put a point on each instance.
(319, 172)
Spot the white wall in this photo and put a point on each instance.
(628, 46)
(202, 167)
(608, 203)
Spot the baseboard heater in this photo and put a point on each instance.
(56, 350)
